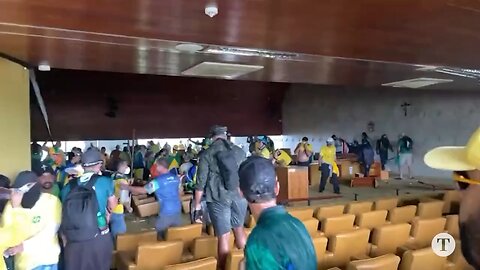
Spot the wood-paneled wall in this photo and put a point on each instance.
(155, 106)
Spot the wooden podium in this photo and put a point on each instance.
(314, 174)
(293, 182)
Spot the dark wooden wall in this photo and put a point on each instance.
(155, 106)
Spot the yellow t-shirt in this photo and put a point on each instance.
(16, 231)
(264, 153)
(283, 158)
(117, 180)
(40, 245)
(328, 155)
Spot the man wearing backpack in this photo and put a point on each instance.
(405, 145)
(87, 200)
(218, 172)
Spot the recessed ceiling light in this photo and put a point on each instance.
(44, 67)
(417, 83)
(189, 47)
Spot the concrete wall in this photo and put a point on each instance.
(434, 118)
(14, 119)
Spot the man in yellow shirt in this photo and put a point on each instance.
(40, 249)
(328, 167)
(18, 227)
(261, 147)
(117, 219)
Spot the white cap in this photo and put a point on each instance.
(330, 140)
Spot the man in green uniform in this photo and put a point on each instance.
(278, 241)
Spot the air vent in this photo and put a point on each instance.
(417, 83)
(251, 52)
(220, 70)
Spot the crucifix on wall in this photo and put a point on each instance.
(405, 106)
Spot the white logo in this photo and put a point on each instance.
(443, 244)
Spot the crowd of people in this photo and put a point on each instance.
(66, 212)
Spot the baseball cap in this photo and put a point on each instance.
(31, 197)
(456, 158)
(330, 140)
(40, 168)
(257, 179)
(91, 157)
(218, 130)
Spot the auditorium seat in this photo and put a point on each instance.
(210, 230)
(388, 238)
(320, 245)
(251, 222)
(301, 213)
(456, 261)
(431, 209)
(312, 226)
(129, 242)
(422, 259)
(451, 199)
(333, 225)
(329, 211)
(452, 227)
(370, 220)
(423, 231)
(385, 204)
(344, 247)
(204, 247)
(202, 264)
(186, 233)
(233, 260)
(404, 214)
(384, 262)
(358, 207)
(151, 256)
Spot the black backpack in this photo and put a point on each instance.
(228, 167)
(79, 212)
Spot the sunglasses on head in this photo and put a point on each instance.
(463, 181)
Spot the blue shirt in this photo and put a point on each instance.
(166, 188)
(103, 189)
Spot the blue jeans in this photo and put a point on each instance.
(325, 169)
(117, 225)
(46, 267)
(164, 222)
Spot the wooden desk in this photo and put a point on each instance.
(313, 174)
(293, 182)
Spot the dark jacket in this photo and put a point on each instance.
(383, 145)
(208, 174)
(368, 155)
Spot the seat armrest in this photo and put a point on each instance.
(359, 257)
(401, 250)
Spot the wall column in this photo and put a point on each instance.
(14, 119)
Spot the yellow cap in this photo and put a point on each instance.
(456, 158)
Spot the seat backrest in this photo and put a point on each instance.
(301, 213)
(358, 207)
(404, 214)
(185, 233)
(251, 222)
(346, 245)
(204, 247)
(329, 211)
(130, 241)
(233, 260)
(386, 239)
(431, 209)
(334, 225)
(154, 256)
(423, 230)
(422, 259)
(385, 204)
(384, 262)
(451, 197)
(311, 225)
(452, 226)
(320, 245)
(371, 219)
(202, 264)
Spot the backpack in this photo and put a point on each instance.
(228, 167)
(79, 212)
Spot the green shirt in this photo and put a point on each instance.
(279, 242)
(405, 145)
